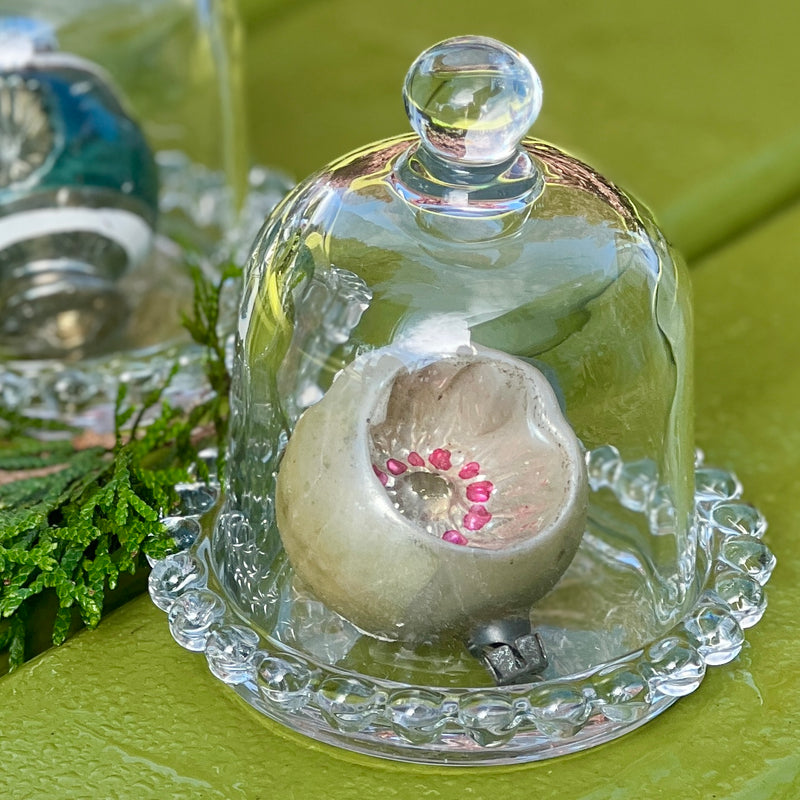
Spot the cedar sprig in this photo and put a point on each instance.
(89, 515)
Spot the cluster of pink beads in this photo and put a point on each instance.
(477, 493)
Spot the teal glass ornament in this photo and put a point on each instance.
(78, 196)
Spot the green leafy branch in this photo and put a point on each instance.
(84, 517)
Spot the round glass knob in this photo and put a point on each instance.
(472, 99)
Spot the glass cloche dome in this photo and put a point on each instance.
(434, 331)
(461, 522)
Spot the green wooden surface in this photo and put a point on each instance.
(687, 104)
(690, 104)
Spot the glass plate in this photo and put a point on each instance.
(483, 724)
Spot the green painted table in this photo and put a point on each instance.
(693, 106)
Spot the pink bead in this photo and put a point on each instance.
(469, 470)
(415, 459)
(454, 537)
(440, 459)
(396, 467)
(382, 476)
(476, 518)
(480, 491)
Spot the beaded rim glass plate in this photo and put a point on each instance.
(462, 726)
(83, 392)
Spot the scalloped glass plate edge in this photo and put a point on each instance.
(506, 725)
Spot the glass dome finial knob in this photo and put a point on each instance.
(472, 99)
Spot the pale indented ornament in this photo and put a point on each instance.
(460, 506)
(456, 479)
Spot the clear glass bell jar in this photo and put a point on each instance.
(122, 161)
(461, 522)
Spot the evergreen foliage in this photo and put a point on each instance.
(88, 515)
